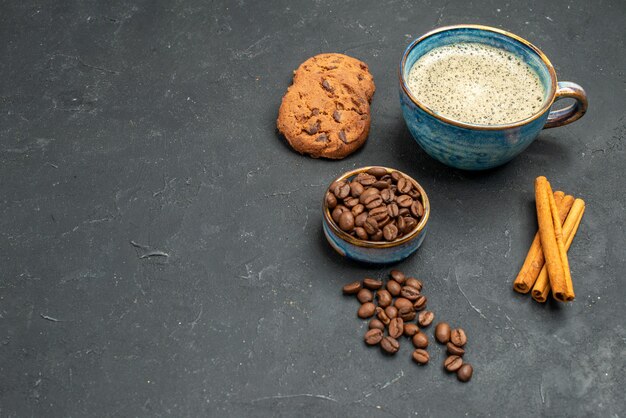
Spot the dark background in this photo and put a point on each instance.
(154, 122)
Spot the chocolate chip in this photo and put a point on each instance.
(326, 85)
(337, 116)
(322, 138)
(342, 136)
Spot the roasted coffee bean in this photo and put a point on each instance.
(336, 213)
(360, 233)
(370, 225)
(404, 185)
(384, 222)
(359, 220)
(387, 195)
(376, 324)
(350, 202)
(400, 223)
(458, 337)
(421, 356)
(390, 232)
(356, 189)
(396, 176)
(425, 318)
(391, 311)
(393, 287)
(409, 224)
(373, 336)
(331, 200)
(420, 340)
(392, 210)
(404, 201)
(402, 302)
(382, 316)
(377, 236)
(365, 179)
(351, 288)
(396, 327)
(415, 283)
(373, 201)
(420, 303)
(417, 210)
(406, 313)
(442, 332)
(366, 310)
(390, 345)
(404, 212)
(377, 172)
(452, 363)
(464, 374)
(398, 276)
(365, 295)
(346, 221)
(454, 350)
(372, 284)
(379, 213)
(410, 329)
(357, 210)
(414, 193)
(381, 185)
(367, 194)
(410, 293)
(341, 190)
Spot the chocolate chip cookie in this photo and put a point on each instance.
(326, 112)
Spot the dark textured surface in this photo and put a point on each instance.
(154, 122)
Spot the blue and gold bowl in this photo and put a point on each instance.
(375, 252)
(478, 147)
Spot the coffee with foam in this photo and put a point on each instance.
(477, 84)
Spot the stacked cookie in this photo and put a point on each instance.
(326, 111)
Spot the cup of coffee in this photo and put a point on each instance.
(474, 97)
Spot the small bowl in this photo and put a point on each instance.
(375, 252)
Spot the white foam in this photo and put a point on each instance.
(476, 83)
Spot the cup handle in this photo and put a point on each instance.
(572, 112)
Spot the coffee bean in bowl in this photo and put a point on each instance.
(375, 215)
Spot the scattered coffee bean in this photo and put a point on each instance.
(402, 302)
(452, 363)
(415, 283)
(393, 287)
(406, 313)
(420, 340)
(442, 332)
(382, 315)
(457, 337)
(454, 350)
(351, 288)
(376, 324)
(385, 207)
(425, 318)
(366, 310)
(410, 329)
(377, 172)
(465, 373)
(421, 356)
(390, 345)
(420, 303)
(365, 295)
(391, 311)
(384, 298)
(396, 327)
(372, 284)
(373, 336)
(410, 293)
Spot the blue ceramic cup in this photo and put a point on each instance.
(478, 147)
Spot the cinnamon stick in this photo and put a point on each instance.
(560, 243)
(546, 216)
(542, 285)
(534, 261)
